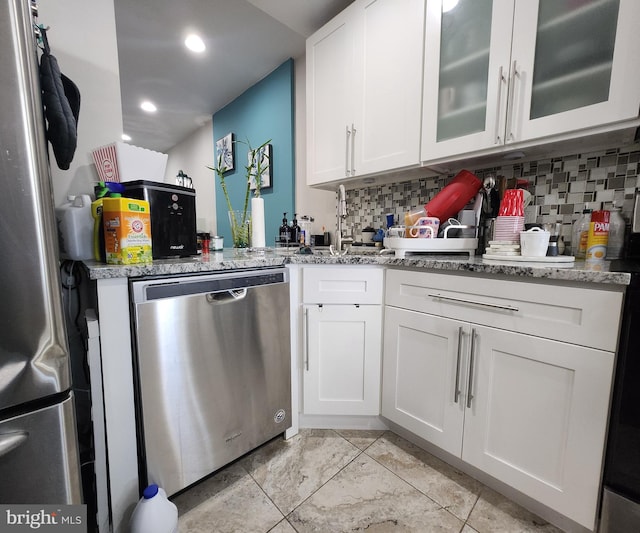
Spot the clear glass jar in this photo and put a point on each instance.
(579, 234)
(616, 234)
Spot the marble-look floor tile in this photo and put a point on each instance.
(447, 486)
(229, 502)
(362, 438)
(468, 529)
(283, 527)
(493, 513)
(290, 471)
(365, 496)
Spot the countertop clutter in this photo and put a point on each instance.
(230, 259)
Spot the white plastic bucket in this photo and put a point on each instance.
(75, 228)
(154, 513)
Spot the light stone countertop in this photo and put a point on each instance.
(230, 259)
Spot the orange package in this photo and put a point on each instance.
(127, 231)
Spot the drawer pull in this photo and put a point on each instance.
(474, 302)
(457, 387)
(306, 339)
(471, 362)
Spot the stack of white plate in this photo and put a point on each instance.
(503, 248)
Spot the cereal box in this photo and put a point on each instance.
(127, 231)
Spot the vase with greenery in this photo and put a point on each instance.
(239, 220)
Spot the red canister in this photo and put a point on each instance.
(454, 196)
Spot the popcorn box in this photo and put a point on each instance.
(124, 162)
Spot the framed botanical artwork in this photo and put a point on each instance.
(264, 155)
(225, 152)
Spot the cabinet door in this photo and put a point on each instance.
(422, 363)
(331, 63)
(574, 66)
(538, 417)
(342, 359)
(387, 125)
(467, 56)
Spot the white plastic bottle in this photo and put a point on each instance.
(75, 228)
(154, 513)
(616, 233)
(579, 234)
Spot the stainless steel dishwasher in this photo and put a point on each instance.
(213, 370)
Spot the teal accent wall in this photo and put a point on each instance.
(263, 112)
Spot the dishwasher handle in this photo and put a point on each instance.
(226, 297)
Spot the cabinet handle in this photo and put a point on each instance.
(346, 152)
(306, 339)
(512, 91)
(353, 150)
(501, 81)
(473, 302)
(471, 362)
(457, 387)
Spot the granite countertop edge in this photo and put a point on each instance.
(232, 260)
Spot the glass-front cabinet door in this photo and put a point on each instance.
(499, 72)
(574, 66)
(467, 52)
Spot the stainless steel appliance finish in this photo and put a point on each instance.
(214, 376)
(621, 480)
(37, 424)
(40, 465)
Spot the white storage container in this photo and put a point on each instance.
(154, 513)
(75, 228)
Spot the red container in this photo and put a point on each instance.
(454, 196)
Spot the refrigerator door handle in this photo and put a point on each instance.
(10, 441)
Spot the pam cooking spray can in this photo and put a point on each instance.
(598, 236)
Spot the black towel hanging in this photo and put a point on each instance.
(61, 100)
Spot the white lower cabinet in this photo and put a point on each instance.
(341, 340)
(536, 417)
(420, 369)
(529, 411)
(342, 363)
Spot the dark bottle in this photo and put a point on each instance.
(284, 232)
(295, 229)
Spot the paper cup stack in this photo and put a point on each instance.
(507, 229)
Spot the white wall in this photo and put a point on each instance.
(192, 156)
(83, 40)
(321, 205)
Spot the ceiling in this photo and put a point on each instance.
(245, 40)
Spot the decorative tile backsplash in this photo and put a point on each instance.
(560, 186)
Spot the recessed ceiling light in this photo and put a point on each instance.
(448, 5)
(194, 43)
(149, 107)
(126, 137)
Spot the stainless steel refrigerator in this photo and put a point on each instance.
(38, 444)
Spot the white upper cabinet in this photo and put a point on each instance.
(364, 90)
(501, 72)
(331, 53)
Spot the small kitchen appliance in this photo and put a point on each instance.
(173, 216)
